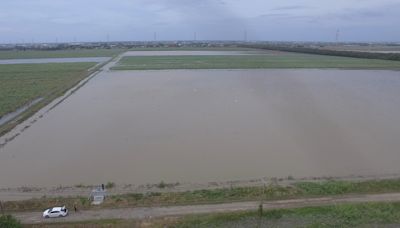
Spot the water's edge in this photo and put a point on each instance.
(10, 116)
(16, 131)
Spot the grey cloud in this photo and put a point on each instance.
(292, 7)
(211, 19)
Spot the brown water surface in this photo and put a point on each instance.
(205, 125)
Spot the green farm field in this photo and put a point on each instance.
(22, 83)
(228, 48)
(281, 60)
(32, 54)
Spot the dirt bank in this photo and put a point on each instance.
(29, 192)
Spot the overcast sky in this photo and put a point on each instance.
(286, 20)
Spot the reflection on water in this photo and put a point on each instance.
(204, 125)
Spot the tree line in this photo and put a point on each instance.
(317, 51)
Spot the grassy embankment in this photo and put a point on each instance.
(35, 54)
(344, 215)
(266, 193)
(276, 60)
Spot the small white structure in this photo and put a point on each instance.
(98, 195)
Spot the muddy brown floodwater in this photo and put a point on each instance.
(206, 125)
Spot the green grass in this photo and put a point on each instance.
(110, 185)
(232, 48)
(106, 223)
(22, 83)
(346, 187)
(345, 215)
(281, 60)
(7, 221)
(268, 193)
(29, 54)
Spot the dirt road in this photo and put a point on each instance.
(151, 212)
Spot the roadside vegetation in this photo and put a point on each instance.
(104, 223)
(275, 60)
(100, 223)
(22, 83)
(7, 221)
(222, 195)
(345, 215)
(33, 54)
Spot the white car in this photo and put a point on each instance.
(55, 212)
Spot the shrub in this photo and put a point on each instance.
(7, 221)
(110, 185)
(162, 185)
(83, 201)
(274, 214)
(136, 196)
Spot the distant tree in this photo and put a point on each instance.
(308, 50)
(7, 221)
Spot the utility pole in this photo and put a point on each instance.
(195, 36)
(337, 36)
(1, 208)
(155, 36)
(261, 205)
(245, 35)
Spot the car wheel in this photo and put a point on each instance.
(60, 216)
(46, 216)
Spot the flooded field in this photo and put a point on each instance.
(206, 125)
(54, 60)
